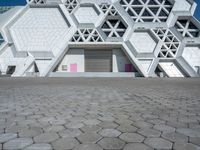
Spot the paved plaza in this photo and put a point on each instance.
(99, 114)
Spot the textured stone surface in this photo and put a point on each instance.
(70, 133)
(149, 132)
(158, 143)
(189, 132)
(173, 136)
(195, 141)
(18, 143)
(39, 146)
(111, 143)
(109, 133)
(185, 146)
(49, 110)
(46, 137)
(65, 143)
(29, 132)
(7, 136)
(131, 137)
(89, 137)
(88, 147)
(137, 146)
(164, 128)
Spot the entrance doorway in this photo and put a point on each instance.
(98, 60)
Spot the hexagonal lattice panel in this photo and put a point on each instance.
(36, 1)
(87, 14)
(170, 43)
(71, 5)
(114, 28)
(143, 42)
(86, 35)
(5, 9)
(147, 10)
(108, 9)
(1, 39)
(187, 28)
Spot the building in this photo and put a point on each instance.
(123, 38)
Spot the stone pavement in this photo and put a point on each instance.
(99, 114)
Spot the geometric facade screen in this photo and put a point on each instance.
(170, 43)
(147, 10)
(86, 35)
(146, 38)
(1, 39)
(187, 28)
(71, 5)
(114, 28)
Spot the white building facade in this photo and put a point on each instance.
(122, 38)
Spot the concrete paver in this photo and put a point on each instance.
(99, 113)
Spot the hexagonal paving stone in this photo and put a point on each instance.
(149, 132)
(54, 129)
(158, 143)
(195, 140)
(91, 128)
(109, 133)
(131, 137)
(57, 122)
(127, 128)
(65, 143)
(29, 133)
(189, 132)
(92, 122)
(7, 136)
(18, 143)
(16, 128)
(164, 128)
(111, 143)
(142, 124)
(46, 137)
(173, 136)
(39, 146)
(70, 133)
(137, 146)
(108, 125)
(185, 146)
(88, 147)
(176, 124)
(74, 125)
(89, 137)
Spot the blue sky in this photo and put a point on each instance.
(23, 2)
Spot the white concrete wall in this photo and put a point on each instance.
(192, 55)
(119, 60)
(74, 56)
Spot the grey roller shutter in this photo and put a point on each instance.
(98, 60)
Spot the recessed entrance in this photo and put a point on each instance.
(98, 60)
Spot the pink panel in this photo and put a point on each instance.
(73, 67)
(129, 68)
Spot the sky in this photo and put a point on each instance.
(23, 2)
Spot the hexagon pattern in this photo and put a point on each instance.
(147, 10)
(143, 42)
(1, 39)
(39, 30)
(187, 27)
(87, 14)
(157, 38)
